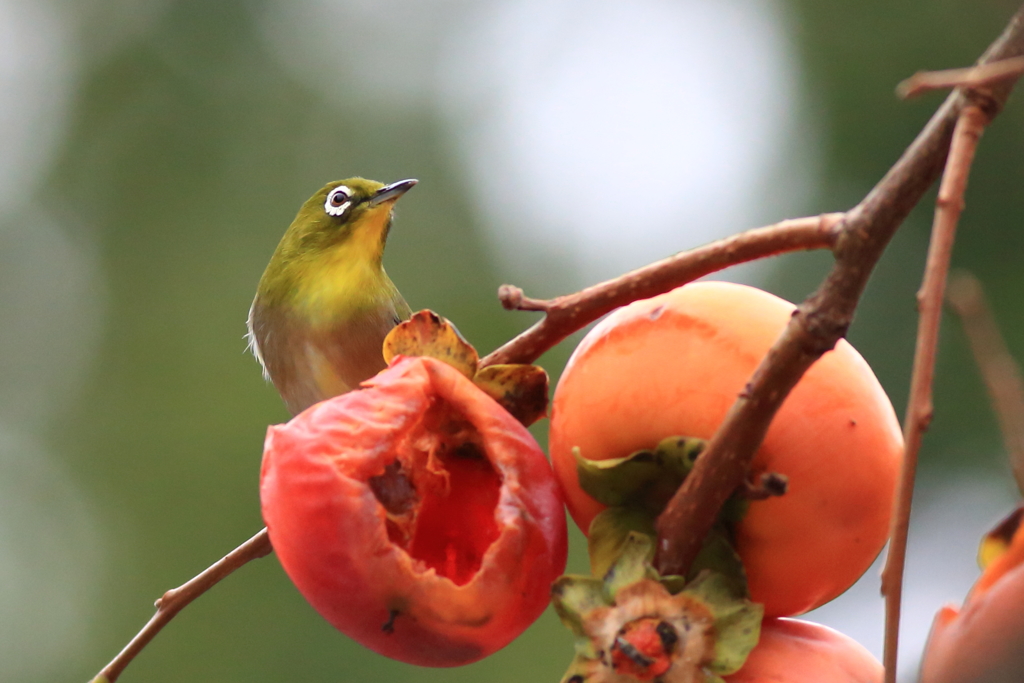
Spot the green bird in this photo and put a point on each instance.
(324, 303)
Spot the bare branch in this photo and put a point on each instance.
(973, 77)
(820, 321)
(176, 599)
(950, 203)
(998, 367)
(513, 299)
(572, 312)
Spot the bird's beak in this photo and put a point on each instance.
(390, 193)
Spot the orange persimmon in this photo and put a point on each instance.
(674, 364)
(984, 639)
(796, 651)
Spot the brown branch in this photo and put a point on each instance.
(972, 77)
(949, 205)
(820, 321)
(567, 314)
(998, 367)
(512, 298)
(176, 599)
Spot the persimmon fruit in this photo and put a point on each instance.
(672, 365)
(796, 651)
(416, 515)
(984, 639)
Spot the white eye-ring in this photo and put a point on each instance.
(338, 201)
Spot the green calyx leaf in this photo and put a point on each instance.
(633, 564)
(718, 555)
(573, 597)
(609, 533)
(737, 620)
(711, 603)
(645, 479)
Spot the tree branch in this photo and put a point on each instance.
(949, 205)
(973, 77)
(998, 367)
(820, 321)
(176, 599)
(567, 314)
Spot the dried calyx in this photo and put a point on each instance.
(522, 390)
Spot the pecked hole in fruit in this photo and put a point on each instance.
(455, 528)
(395, 492)
(440, 493)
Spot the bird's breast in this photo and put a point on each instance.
(309, 362)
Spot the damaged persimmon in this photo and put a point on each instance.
(416, 515)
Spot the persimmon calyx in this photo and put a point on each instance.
(522, 390)
(997, 541)
(647, 479)
(635, 624)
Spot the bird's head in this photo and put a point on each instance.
(356, 213)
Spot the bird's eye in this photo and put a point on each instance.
(338, 200)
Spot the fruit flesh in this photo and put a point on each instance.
(455, 530)
(673, 366)
(440, 493)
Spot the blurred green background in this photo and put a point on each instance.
(153, 151)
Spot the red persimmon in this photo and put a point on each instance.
(416, 515)
(674, 364)
(795, 651)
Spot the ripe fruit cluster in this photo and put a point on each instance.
(419, 517)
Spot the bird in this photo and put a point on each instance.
(324, 303)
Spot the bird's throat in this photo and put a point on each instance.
(348, 277)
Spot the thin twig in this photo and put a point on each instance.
(820, 321)
(971, 77)
(567, 314)
(176, 599)
(950, 204)
(512, 298)
(998, 367)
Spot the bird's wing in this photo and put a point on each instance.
(252, 343)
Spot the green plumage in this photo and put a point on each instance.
(324, 303)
